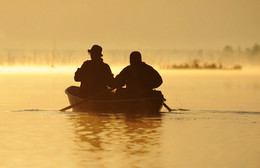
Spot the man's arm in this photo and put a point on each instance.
(120, 79)
(110, 78)
(154, 79)
(79, 74)
(157, 79)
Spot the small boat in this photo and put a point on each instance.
(152, 104)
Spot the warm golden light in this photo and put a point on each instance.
(206, 51)
(35, 69)
(46, 69)
(129, 24)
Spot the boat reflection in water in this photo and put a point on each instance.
(108, 138)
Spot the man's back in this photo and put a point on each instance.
(94, 76)
(139, 77)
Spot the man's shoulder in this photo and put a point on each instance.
(87, 62)
(105, 64)
(127, 68)
(147, 66)
(91, 62)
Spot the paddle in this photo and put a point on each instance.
(170, 109)
(82, 101)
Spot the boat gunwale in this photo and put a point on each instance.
(113, 100)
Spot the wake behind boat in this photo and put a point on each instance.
(151, 104)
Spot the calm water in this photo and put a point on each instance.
(220, 130)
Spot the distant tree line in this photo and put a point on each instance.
(228, 57)
(250, 55)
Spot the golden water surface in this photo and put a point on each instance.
(220, 130)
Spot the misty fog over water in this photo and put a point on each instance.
(162, 58)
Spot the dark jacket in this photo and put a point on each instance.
(95, 77)
(141, 77)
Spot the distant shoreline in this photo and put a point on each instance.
(195, 65)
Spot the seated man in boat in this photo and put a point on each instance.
(140, 79)
(95, 75)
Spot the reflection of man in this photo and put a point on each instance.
(138, 76)
(95, 75)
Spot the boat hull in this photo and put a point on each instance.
(137, 105)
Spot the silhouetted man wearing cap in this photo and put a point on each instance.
(140, 79)
(95, 75)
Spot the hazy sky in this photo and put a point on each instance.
(186, 24)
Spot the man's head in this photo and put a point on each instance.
(96, 51)
(135, 58)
